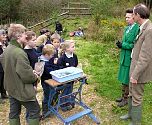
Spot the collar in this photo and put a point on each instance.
(43, 58)
(15, 43)
(69, 55)
(142, 25)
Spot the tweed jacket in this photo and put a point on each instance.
(19, 77)
(141, 64)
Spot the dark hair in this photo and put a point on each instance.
(142, 10)
(129, 10)
(42, 31)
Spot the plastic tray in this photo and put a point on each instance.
(66, 74)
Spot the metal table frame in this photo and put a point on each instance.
(77, 95)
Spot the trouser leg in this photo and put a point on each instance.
(33, 110)
(122, 93)
(2, 90)
(15, 111)
(136, 91)
(46, 92)
(125, 96)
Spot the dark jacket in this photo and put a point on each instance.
(47, 69)
(64, 61)
(32, 56)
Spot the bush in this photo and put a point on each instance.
(32, 12)
(9, 10)
(109, 30)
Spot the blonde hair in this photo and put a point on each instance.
(66, 44)
(48, 49)
(15, 30)
(63, 46)
(30, 34)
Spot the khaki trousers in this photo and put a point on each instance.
(136, 91)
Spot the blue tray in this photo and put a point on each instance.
(66, 74)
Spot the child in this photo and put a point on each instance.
(79, 32)
(43, 40)
(3, 38)
(31, 53)
(30, 48)
(53, 60)
(58, 27)
(68, 59)
(47, 53)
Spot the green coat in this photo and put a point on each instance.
(19, 77)
(128, 40)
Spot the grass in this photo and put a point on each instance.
(100, 61)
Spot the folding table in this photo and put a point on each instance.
(57, 87)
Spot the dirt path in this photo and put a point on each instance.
(102, 108)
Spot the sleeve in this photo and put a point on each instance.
(61, 62)
(76, 60)
(145, 56)
(48, 68)
(24, 70)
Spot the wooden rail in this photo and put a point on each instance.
(76, 8)
(30, 27)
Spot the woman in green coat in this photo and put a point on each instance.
(129, 36)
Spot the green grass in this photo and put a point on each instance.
(100, 61)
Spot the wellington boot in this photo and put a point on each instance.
(128, 116)
(33, 122)
(125, 117)
(14, 122)
(136, 115)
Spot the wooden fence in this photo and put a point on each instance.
(76, 8)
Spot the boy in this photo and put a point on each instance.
(47, 53)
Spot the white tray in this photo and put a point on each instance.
(66, 74)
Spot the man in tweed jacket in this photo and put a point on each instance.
(141, 65)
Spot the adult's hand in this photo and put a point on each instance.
(132, 80)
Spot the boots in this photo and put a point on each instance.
(136, 115)
(127, 116)
(33, 122)
(14, 122)
(125, 97)
(123, 92)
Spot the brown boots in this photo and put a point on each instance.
(122, 101)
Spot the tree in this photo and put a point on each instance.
(9, 9)
(148, 3)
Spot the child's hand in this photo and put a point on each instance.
(35, 88)
(55, 60)
(36, 74)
